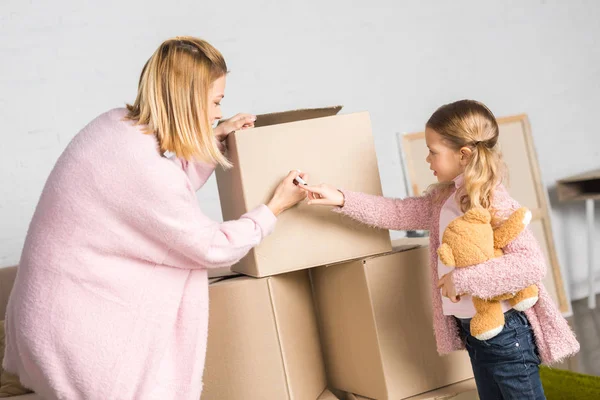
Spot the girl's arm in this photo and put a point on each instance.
(387, 213)
(521, 265)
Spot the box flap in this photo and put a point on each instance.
(327, 395)
(298, 333)
(226, 279)
(352, 396)
(220, 272)
(295, 115)
(401, 245)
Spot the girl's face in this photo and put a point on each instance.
(215, 95)
(445, 162)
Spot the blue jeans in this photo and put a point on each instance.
(505, 366)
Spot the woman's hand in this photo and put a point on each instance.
(447, 286)
(235, 123)
(325, 195)
(288, 193)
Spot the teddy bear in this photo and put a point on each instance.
(469, 240)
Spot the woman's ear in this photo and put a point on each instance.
(465, 155)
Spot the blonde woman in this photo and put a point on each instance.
(111, 295)
(462, 138)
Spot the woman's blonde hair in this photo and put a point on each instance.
(172, 100)
(468, 123)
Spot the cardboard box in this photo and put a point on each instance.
(376, 323)
(221, 272)
(328, 395)
(465, 390)
(263, 340)
(334, 149)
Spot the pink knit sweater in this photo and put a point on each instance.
(111, 295)
(522, 265)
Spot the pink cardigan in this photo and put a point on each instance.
(111, 295)
(522, 265)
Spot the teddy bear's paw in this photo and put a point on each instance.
(488, 321)
(526, 304)
(488, 334)
(527, 218)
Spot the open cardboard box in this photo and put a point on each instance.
(335, 149)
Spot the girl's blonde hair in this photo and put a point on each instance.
(468, 123)
(172, 100)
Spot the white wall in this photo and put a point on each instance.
(63, 63)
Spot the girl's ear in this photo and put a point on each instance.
(465, 155)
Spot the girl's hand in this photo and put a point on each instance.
(235, 123)
(288, 193)
(324, 195)
(447, 286)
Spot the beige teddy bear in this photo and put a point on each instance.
(470, 240)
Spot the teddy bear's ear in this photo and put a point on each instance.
(478, 215)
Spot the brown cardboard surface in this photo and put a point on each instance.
(263, 340)
(295, 115)
(352, 396)
(465, 390)
(327, 395)
(220, 272)
(305, 236)
(376, 325)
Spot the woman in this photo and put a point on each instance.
(111, 295)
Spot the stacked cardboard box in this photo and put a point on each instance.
(325, 301)
(376, 325)
(263, 340)
(465, 390)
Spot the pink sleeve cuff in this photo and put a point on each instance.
(264, 218)
(349, 201)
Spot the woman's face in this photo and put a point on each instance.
(215, 95)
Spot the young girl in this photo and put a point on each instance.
(111, 295)
(462, 138)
